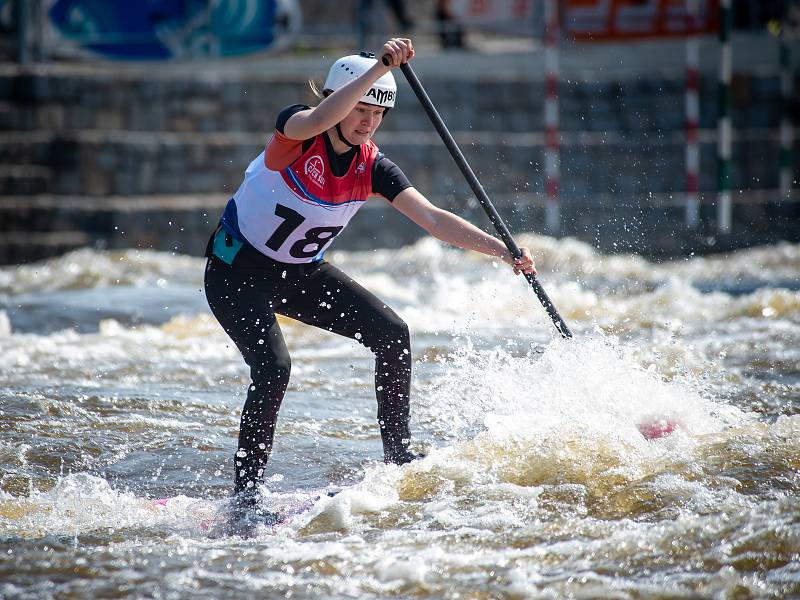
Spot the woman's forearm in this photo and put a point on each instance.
(446, 226)
(454, 230)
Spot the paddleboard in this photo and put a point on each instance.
(221, 518)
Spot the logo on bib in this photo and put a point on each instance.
(315, 169)
(360, 168)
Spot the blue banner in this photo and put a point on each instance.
(166, 29)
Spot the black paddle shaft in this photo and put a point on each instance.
(481, 195)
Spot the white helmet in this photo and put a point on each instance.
(382, 93)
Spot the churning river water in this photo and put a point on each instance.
(118, 388)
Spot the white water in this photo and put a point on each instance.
(117, 387)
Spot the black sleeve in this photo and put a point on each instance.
(287, 112)
(387, 178)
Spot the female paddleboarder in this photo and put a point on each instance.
(266, 255)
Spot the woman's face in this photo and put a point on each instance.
(359, 126)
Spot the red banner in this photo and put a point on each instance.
(624, 19)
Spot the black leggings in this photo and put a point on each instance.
(246, 296)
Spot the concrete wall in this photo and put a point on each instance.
(151, 139)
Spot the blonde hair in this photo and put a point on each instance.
(317, 93)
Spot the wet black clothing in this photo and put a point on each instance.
(245, 297)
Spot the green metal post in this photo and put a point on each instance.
(787, 137)
(724, 127)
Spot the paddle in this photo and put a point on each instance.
(480, 194)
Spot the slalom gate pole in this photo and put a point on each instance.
(787, 135)
(724, 125)
(480, 194)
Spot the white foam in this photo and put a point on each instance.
(88, 268)
(81, 503)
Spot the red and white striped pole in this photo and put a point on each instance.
(551, 153)
(692, 116)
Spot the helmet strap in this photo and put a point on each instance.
(342, 138)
